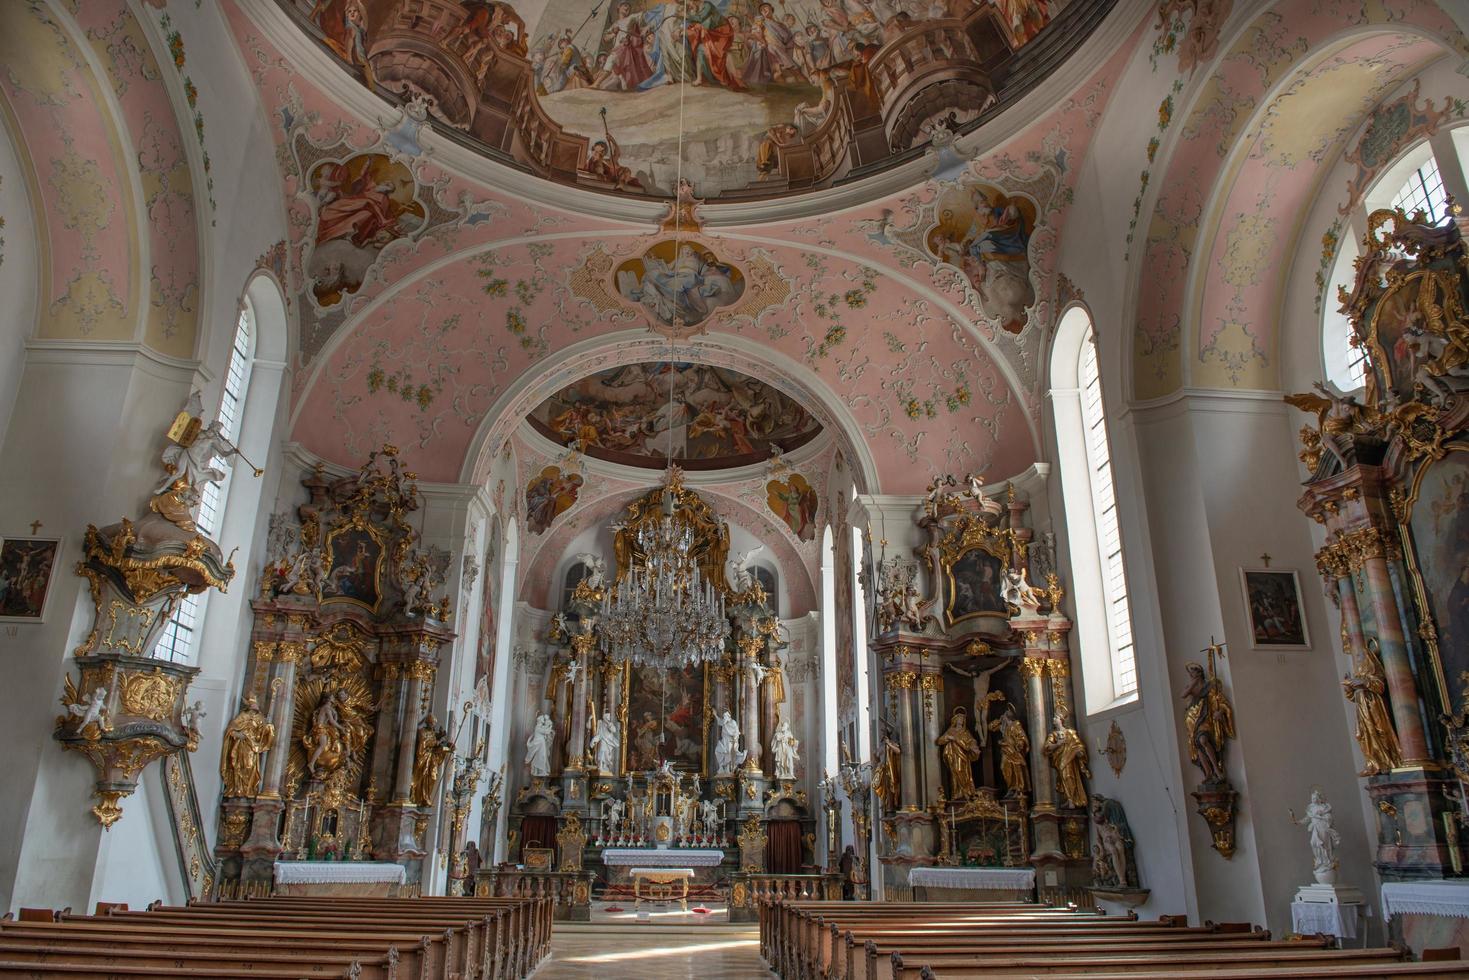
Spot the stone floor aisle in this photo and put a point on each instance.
(654, 952)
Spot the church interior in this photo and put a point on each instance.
(811, 488)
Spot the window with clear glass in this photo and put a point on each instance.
(1104, 509)
(180, 635)
(1424, 191)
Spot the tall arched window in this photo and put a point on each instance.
(859, 646)
(1103, 612)
(180, 635)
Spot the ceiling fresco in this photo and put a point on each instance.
(703, 417)
(745, 98)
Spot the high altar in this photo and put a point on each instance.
(645, 766)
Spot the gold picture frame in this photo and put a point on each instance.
(969, 593)
(701, 712)
(346, 579)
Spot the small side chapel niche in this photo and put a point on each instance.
(334, 753)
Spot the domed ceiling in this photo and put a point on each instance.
(706, 417)
(772, 97)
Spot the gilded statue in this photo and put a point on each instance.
(1364, 687)
(1209, 721)
(335, 733)
(1014, 750)
(428, 759)
(961, 751)
(247, 736)
(1068, 756)
(886, 774)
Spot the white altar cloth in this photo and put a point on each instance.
(662, 857)
(1326, 918)
(1015, 879)
(338, 872)
(1448, 898)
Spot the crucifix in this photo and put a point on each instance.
(36, 526)
(1266, 559)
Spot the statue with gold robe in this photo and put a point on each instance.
(1364, 687)
(428, 760)
(961, 751)
(1209, 721)
(247, 736)
(1014, 751)
(1068, 756)
(885, 775)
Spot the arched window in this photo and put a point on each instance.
(1413, 183)
(769, 580)
(180, 635)
(574, 576)
(859, 645)
(1103, 612)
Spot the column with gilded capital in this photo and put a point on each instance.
(1033, 669)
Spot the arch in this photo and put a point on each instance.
(1199, 320)
(275, 336)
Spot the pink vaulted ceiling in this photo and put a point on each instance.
(449, 330)
(923, 393)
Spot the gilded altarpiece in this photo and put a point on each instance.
(334, 753)
(978, 762)
(1389, 477)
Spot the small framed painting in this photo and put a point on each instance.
(1273, 605)
(27, 566)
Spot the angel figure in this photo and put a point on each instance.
(596, 567)
(612, 812)
(192, 715)
(1336, 416)
(738, 569)
(92, 712)
(190, 465)
(1019, 593)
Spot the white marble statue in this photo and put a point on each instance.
(709, 815)
(727, 751)
(192, 715)
(612, 813)
(607, 743)
(92, 712)
(538, 746)
(737, 571)
(1324, 837)
(194, 463)
(596, 567)
(786, 749)
(1019, 593)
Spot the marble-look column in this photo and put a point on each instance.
(931, 688)
(750, 647)
(1402, 686)
(1037, 717)
(576, 744)
(417, 672)
(902, 683)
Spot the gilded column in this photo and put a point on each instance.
(576, 744)
(1369, 550)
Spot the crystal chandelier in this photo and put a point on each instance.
(663, 613)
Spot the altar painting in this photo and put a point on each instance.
(664, 712)
(974, 581)
(1439, 524)
(354, 567)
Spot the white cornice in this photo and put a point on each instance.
(112, 353)
(323, 72)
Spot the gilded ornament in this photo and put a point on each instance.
(245, 739)
(1375, 735)
(1115, 749)
(1068, 757)
(960, 752)
(150, 695)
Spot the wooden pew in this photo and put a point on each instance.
(1084, 959)
(1223, 971)
(391, 939)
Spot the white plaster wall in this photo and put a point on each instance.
(19, 279)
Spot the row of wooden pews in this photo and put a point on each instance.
(287, 939)
(969, 941)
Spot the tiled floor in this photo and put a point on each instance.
(669, 945)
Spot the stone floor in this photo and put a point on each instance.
(668, 944)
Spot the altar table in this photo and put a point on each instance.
(660, 883)
(662, 857)
(370, 879)
(1007, 884)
